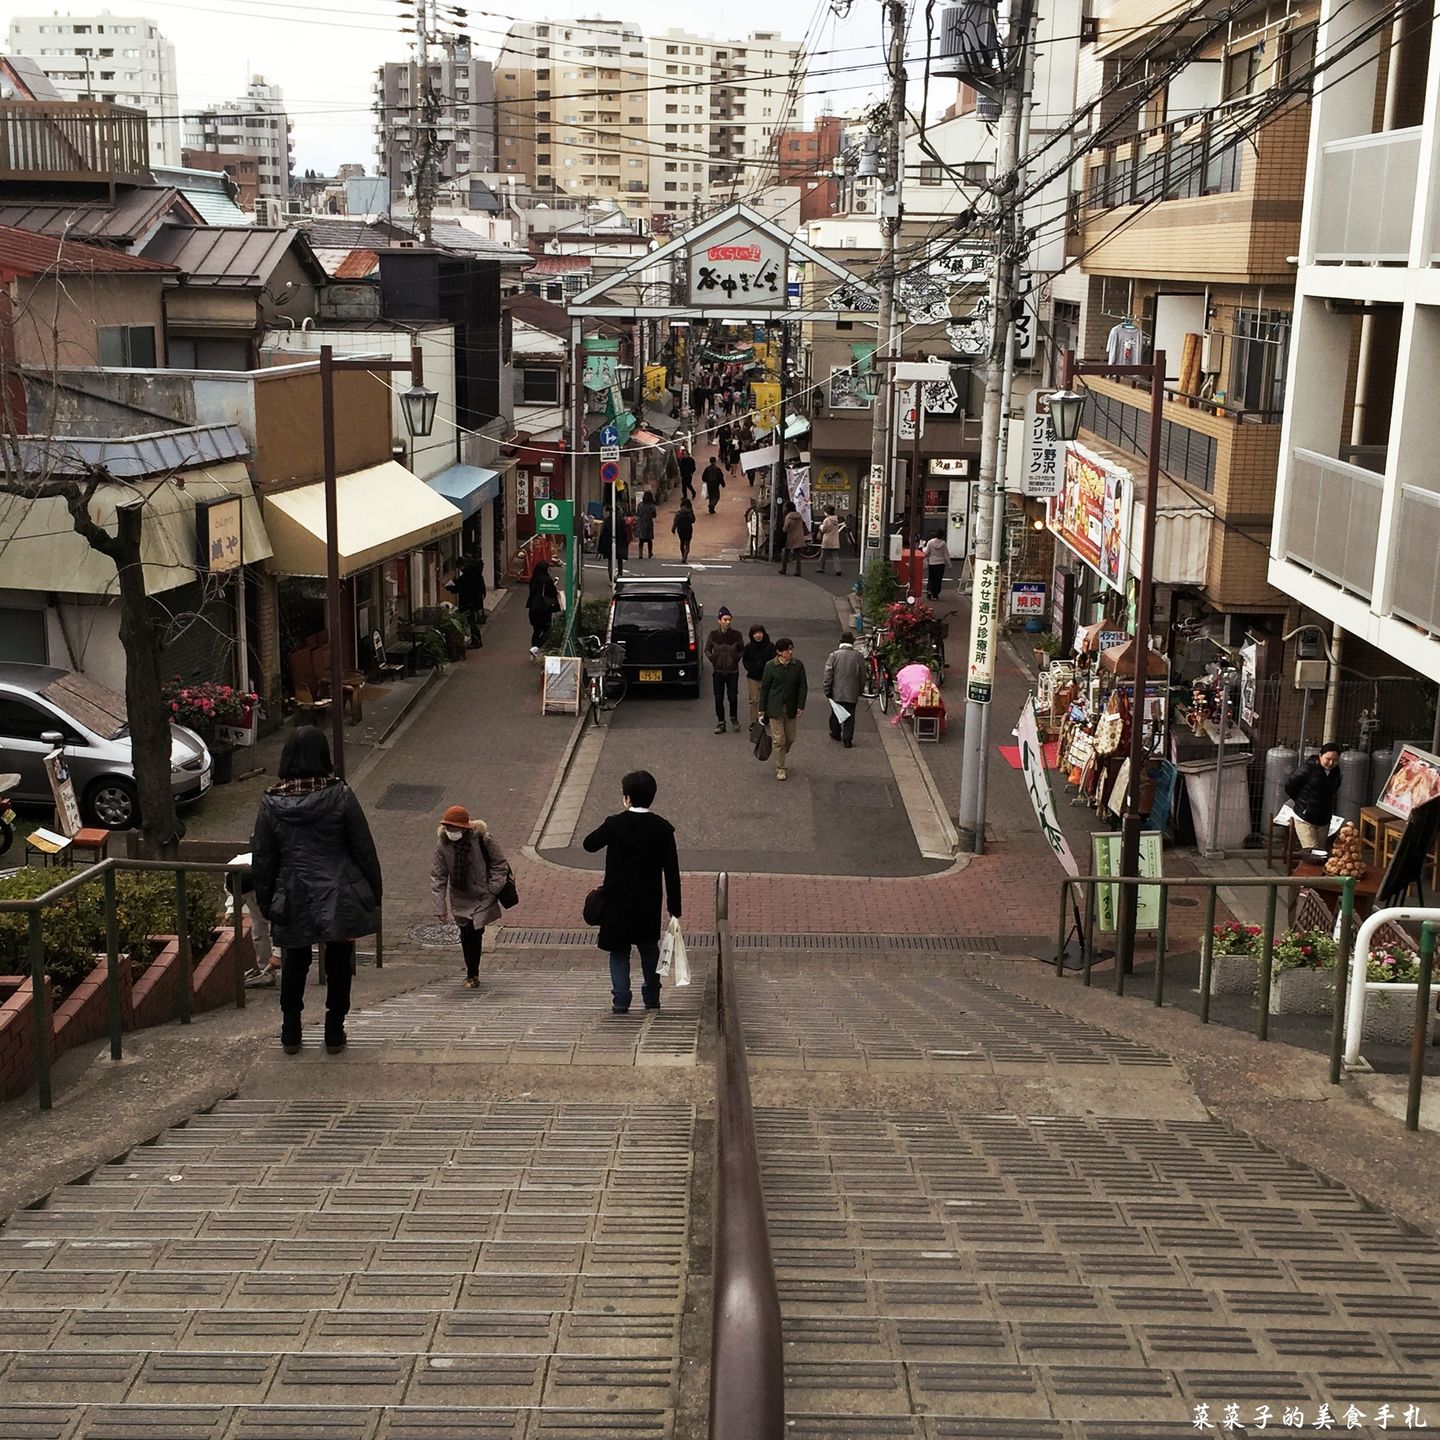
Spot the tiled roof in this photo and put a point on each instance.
(22, 252)
(133, 214)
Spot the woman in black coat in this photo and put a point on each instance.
(640, 854)
(317, 880)
(541, 602)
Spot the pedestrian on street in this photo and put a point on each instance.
(759, 651)
(713, 481)
(645, 525)
(469, 588)
(317, 880)
(466, 877)
(612, 543)
(1314, 790)
(783, 692)
(793, 537)
(830, 539)
(937, 557)
(640, 855)
(542, 600)
(682, 526)
(844, 677)
(686, 466)
(723, 437)
(700, 395)
(723, 647)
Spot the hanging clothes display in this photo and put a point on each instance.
(1123, 344)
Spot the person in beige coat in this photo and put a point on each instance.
(467, 876)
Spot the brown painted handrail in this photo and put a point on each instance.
(747, 1365)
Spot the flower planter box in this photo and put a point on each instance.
(1302, 992)
(1390, 1019)
(1233, 974)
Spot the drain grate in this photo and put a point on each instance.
(750, 940)
(411, 797)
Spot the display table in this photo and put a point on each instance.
(1367, 887)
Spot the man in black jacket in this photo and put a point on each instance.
(639, 854)
(723, 648)
(686, 465)
(1313, 790)
(713, 481)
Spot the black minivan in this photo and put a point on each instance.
(658, 619)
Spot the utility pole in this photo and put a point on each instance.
(426, 144)
(885, 318)
(994, 418)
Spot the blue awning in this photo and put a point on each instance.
(467, 487)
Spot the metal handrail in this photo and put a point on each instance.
(34, 907)
(747, 1364)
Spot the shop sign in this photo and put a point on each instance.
(1109, 639)
(1043, 473)
(981, 675)
(1091, 514)
(219, 525)
(874, 519)
(1037, 785)
(1107, 862)
(912, 422)
(829, 481)
(522, 492)
(952, 469)
(1027, 598)
(746, 268)
(1249, 667)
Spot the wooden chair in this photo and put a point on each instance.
(306, 704)
(92, 842)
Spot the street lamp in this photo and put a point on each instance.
(418, 406)
(1066, 410)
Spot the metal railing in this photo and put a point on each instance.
(747, 1363)
(34, 907)
(1347, 985)
(1365, 200)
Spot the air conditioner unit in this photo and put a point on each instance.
(267, 211)
(864, 205)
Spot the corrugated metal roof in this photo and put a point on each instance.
(132, 457)
(134, 214)
(357, 265)
(207, 190)
(560, 265)
(228, 256)
(23, 252)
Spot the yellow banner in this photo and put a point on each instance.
(767, 402)
(654, 382)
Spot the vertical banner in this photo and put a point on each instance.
(1037, 786)
(1107, 862)
(981, 675)
(1043, 473)
(800, 491)
(874, 504)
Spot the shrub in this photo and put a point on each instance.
(1305, 950)
(880, 588)
(73, 929)
(1233, 938)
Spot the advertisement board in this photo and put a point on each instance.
(1091, 514)
(1041, 476)
(983, 608)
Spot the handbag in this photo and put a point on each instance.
(508, 895)
(763, 744)
(593, 910)
(674, 963)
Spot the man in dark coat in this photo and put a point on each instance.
(640, 854)
(317, 880)
(1313, 790)
(686, 466)
(723, 647)
(714, 482)
(470, 597)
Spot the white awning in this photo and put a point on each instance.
(1182, 535)
(383, 511)
(42, 551)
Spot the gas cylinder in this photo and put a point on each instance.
(1381, 762)
(1354, 784)
(1281, 762)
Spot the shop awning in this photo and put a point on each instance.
(383, 511)
(43, 552)
(467, 487)
(1182, 535)
(646, 439)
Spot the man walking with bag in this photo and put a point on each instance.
(783, 692)
(640, 856)
(844, 676)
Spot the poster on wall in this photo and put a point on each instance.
(1414, 779)
(830, 485)
(1091, 514)
(847, 389)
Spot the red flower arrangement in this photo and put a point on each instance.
(208, 705)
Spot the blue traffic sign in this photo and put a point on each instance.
(609, 435)
(609, 472)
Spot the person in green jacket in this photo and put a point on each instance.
(783, 691)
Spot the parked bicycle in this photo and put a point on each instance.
(879, 683)
(604, 673)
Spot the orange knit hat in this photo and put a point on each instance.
(456, 815)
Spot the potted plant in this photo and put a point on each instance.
(1046, 644)
(431, 650)
(1234, 951)
(1390, 1019)
(208, 707)
(455, 633)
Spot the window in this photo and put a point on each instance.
(20, 720)
(539, 387)
(1258, 361)
(931, 173)
(128, 345)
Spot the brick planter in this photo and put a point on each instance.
(85, 1015)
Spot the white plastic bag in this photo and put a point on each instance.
(673, 960)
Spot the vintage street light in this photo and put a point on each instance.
(1067, 408)
(418, 405)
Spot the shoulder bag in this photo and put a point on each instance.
(508, 895)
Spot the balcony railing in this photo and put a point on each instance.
(1415, 582)
(1365, 201)
(1332, 520)
(42, 140)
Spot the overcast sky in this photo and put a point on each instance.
(325, 54)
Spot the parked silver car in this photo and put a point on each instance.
(35, 699)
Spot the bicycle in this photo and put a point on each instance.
(605, 684)
(879, 683)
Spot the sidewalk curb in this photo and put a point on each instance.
(531, 848)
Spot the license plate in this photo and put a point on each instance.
(649, 675)
(205, 779)
(8, 816)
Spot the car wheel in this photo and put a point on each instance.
(114, 803)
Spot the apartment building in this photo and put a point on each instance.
(572, 110)
(811, 159)
(464, 85)
(117, 59)
(256, 125)
(1357, 510)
